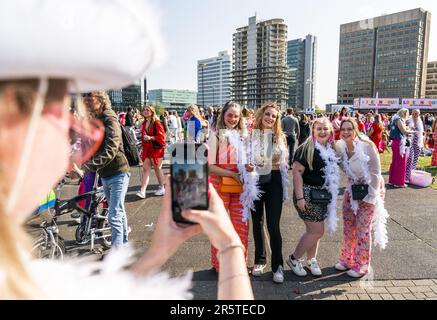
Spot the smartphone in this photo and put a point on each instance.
(189, 179)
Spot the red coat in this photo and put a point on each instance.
(157, 132)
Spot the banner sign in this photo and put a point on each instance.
(419, 103)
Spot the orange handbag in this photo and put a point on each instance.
(230, 185)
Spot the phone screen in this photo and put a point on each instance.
(189, 179)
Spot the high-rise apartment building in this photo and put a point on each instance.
(213, 80)
(259, 63)
(431, 80)
(301, 62)
(385, 56)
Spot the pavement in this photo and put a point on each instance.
(406, 269)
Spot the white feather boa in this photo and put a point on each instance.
(284, 168)
(332, 182)
(256, 152)
(379, 222)
(76, 278)
(251, 191)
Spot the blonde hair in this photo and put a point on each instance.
(277, 130)
(16, 282)
(403, 113)
(194, 110)
(307, 148)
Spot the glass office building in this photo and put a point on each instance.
(385, 56)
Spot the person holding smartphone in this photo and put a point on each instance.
(44, 130)
(315, 175)
(225, 169)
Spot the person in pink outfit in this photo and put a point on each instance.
(362, 210)
(398, 134)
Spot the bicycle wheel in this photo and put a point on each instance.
(80, 234)
(104, 224)
(39, 247)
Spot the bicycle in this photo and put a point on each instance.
(49, 244)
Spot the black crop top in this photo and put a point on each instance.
(313, 177)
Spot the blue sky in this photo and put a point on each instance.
(199, 29)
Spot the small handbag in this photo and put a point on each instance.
(360, 191)
(230, 185)
(320, 196)
(265, 178)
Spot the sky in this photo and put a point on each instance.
(198, 29)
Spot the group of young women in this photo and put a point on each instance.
(249, 171)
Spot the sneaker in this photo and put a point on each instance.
(314, 267)
(160, 192)
(354, 274)
(340, 267)
(278, 276)
(141, 195)
(258, 270)
(296, 266)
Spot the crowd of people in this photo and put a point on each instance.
(315, 148)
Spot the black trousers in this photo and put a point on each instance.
(271, 199)
(291, 141)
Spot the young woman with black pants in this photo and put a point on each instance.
(272, 189)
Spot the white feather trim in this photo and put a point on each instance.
(76, 278)
(284, 169)
(331, 174)
(251, 191)
(379, 222)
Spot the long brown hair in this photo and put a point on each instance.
(153, 118)
(16, 282)
(357, 132)
(221, 118)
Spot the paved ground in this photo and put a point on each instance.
(405, 270)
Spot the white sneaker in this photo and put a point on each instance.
(160, 192)
(314, 267)
(340, 267)
(258, 270)
(296, 266)
(278, 276)
(141, 195)
(354, 274)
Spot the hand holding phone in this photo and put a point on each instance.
(189, 179)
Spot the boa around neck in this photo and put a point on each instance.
(331, 173)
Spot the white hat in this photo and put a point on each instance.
(100, 44)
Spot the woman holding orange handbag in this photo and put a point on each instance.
(228, 170)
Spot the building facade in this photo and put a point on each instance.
(172, 99)
(301, 62)
(260, 63)
(130, 96)
(384, 56)
(431, 80)
(213, 80)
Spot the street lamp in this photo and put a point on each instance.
(202, 66)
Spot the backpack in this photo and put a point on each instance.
(130, 149)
